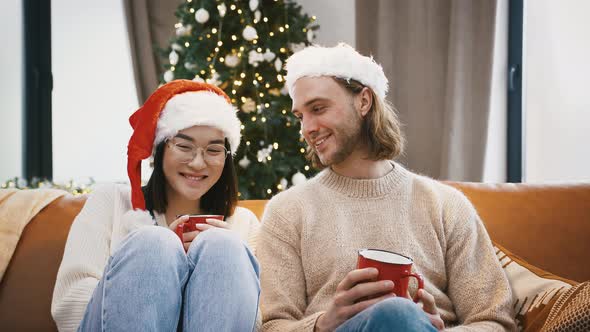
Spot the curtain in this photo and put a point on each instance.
(438, 56)
(150, 24)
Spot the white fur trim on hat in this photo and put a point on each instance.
(341, 61)
(199, 108)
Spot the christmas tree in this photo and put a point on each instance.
(241, 47)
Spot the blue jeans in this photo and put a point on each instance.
(151, 284)
(393, 314)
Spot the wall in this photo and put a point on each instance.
(94, 90)
(555, 93)
(11, 82)
(336, 19)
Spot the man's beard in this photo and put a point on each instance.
(346, 138)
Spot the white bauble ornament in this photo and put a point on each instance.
(176, 47)
(253, 5)
(254, 58)
(202, 15)
(268, 55)
(257, 15)
(249, 33)
(222, 9)
(278, 64)
(198, 79)
(284, 183)
(244, 162)
(173, 57)
(168, 76)
(310, 35)
(231, 60)
(298, 178)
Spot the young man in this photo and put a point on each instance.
(311, 233)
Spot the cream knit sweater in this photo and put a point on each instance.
(103, 223)
(311, 233)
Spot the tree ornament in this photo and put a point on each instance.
(176, 47)
(269, 55)
(278, 64)
(310, 35)
(298, 178)
(168, 76)
(248, 105)
(173, 57)
(244, 162)
(284, 183)
(222, 9)
(184, 30)
(257, 15)
(263, 154)
(254, 58)
(253, 5)
(231, 60)
(202, 15)
(249, 33)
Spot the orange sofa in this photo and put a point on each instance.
(547, 225)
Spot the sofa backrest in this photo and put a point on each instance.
(547, 225)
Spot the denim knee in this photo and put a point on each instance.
(154, 244)
(395, 311)
(218, 240)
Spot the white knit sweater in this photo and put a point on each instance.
(103, 222)
(311, 233)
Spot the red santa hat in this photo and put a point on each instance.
(172, 107)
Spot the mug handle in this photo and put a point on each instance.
(420, 279)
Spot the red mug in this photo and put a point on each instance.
(193, 219)
(391, 266)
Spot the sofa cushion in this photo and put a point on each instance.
(535, 291)
(571, 312)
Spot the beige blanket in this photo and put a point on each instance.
(17, 208)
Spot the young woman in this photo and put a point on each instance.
(125, 269)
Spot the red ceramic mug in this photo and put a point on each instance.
(193, 219)
(392, 266)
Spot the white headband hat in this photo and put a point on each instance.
(199, 108)
(341, 61)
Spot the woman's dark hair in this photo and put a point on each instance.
(222, 198)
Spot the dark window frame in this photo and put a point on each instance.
(514, 157)
(37, 89)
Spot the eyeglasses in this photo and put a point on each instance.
(185, 151)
